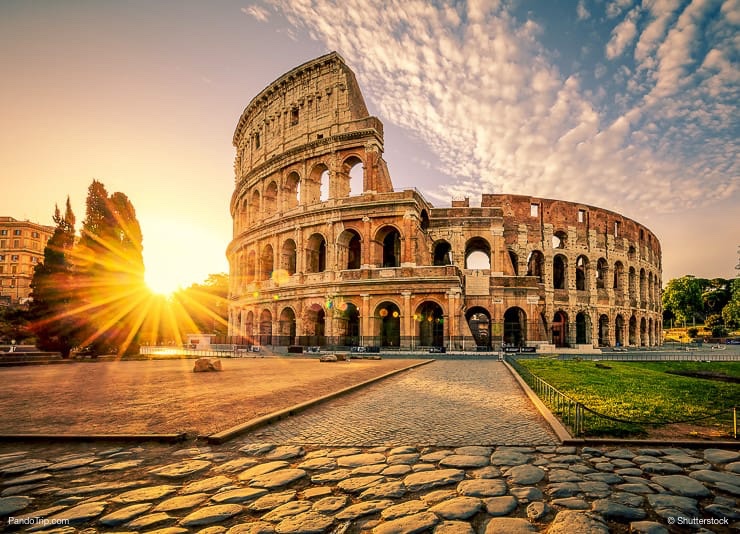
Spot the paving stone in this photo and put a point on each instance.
(570, 522)
(373, 469)
(563, 489)
(277, 479)
(124, 515)
(721, 456)
(606, 478)
(647, 527)
(284, 452)
(683, 485)
(537, 510)
(411, 524)
(526, 494)
(635, 488)
(662, 468)
(668, 505)
(594, 489)
(346, 451)
(181, 469)
(403, 509)
(525, 475)
(272, 500)
(435, 456)
(23, 488)
(486, 472)
(629, 471)
(407, 459)
(615, 511)
(318, 491)
(45, 512)
(483, 487)
(720, 510)
(706, 475)
(23, 466)
(206, 485)
(385, 490)
(10, 505)
(305, 523)
(511, 525)
(563, 475)
(318, 464)
(627, 499)
(261, 469)
(359, 484)
(464, 461)
(437, 496)
(402, 450)
(120, 466)
(682, 459)
(396, 470)
(149, 521)
(331, 476)
(237, 464)
(509, 457)
(329, 505)
(430, 479)
(151, 493)
(423, 467)
(286, 510)
(357, 460)
(26, 479)
(729, 488)
(181, 502)
(733, 467)
(572, 503)
(77, 514)
(363, 508)
(623, 454)
(210, 514)
(257, 449)
(256, 527)
(500, 506)
(457, 508)
(454, 527)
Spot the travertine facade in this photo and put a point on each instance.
(21, 248)
(326, 252)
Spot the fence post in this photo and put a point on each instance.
(734, 421)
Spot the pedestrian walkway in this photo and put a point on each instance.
(446, 403)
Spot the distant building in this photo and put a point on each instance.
(326, 252)
(21, 248)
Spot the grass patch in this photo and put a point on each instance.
(642, 392)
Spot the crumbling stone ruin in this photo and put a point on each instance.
(325, 252)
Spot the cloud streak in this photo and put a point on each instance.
(475, 82)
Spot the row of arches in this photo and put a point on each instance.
(282, 194)
(318, 255)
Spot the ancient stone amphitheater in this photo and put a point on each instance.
(325, 252)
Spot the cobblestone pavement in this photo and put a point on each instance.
(445, 403)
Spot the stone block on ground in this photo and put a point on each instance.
(204, 365)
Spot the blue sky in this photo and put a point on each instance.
(627, 105)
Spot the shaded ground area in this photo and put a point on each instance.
(109, 397)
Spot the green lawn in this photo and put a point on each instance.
(642, 391)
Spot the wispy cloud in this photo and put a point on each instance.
(582, 11)
(478, 86)
(257, 12)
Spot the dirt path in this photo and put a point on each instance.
(166, 396)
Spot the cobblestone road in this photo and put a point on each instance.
(445, 403)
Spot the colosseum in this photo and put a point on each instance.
(326, 253)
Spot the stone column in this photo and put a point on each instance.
(364, 318)
(407, 331)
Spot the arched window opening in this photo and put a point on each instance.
(559, 272)
(619, 331)
(349, 249)
(424, 220)
(560, 329)
(255, 213)
(391, 243)
(292, 190)
(287, 325)
(348, 325)
(325, 186)
(430, 320)
(442, 253)
(354, 173)
(603, 331)
(314, 326)
(633, 285)
(478, 254)
(559, 239)
(514, 259)
(618, 275)
(316, 254)
(270, 200)
(632, 331)
(251, 267)
(642, 286)
(583, 328)
(643, 332)
(266, 263)
(602, 267)
(536, 265)
(390, 324)
(479, 322)
(265, 334)
(248, 327)
(581, 273)
(288, 257)
(515, 327)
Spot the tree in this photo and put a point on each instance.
(731, 311)
(54, 298)
(110, 272)
(683, 298)
(716, 295)
(205, 305)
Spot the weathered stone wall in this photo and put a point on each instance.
(314, 264)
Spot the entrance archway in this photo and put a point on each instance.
(286, 336)
(390, 324)
(349, 326)
(603, 331)
(560, 329)
(479, 322)
(515, 326)
(430, 321)
(582, 328)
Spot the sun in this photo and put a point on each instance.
(162, 283)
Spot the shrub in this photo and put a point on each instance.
(719, 331)
(692, 332)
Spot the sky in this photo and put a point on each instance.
(627, 105)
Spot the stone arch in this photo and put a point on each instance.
(267, 263)
(265, 332)
(603, 330)
(248, 326)
(536, 265)
(255, 210)
(643, 286)
(479, 321)
(514, 259)
(316, 254)
(287, 327)
(441, 253)
(583, 328)
(348, 325)
(619, 330)
(292, 190)
(311, 190)
(251, 266)
(632, 283)
(582, 273)
(314, 325)
(244, 214)
(389, 240)
(602, 269)
(643, 332)
(515, 326)
(560, 272)
(429, 319)
(651, 332)
(353, 173)
(288, 257)
(270, 199)
(618, 276)
(560, 329)
(424, 220)
(478, 254)
(632, 331)
(349, 248)
(389, 317)
(559, 239)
